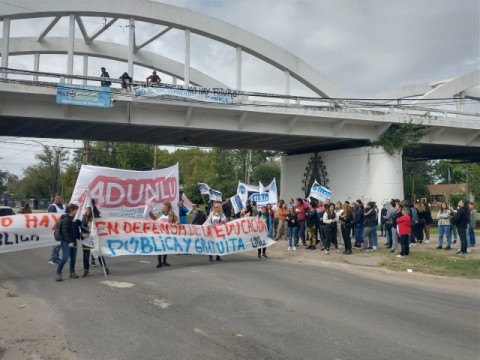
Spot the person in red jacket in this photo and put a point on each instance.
(404, 228)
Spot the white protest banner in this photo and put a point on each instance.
(119, 236)
(236, 203)
(320, 192)
(260, 194)
(214, 195)
(215, 95)
(126, 193)
(27, 231)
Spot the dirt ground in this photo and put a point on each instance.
(28, 330)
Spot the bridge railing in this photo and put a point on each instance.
(376, 107)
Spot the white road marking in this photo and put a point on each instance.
(118, 284)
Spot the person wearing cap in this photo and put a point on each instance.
(105, 74)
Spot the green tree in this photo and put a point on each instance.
(400, 137)
(416, 177)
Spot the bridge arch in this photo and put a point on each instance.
(174, 17)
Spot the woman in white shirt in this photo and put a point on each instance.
(216, 217)
(168, 216)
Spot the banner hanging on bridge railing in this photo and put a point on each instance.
(120, 236)
(212, 95)
(127, 193)
(260, 194)
(83, 95)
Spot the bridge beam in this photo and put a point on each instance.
(186, 76)
(470, 138)
(100, 31)
(153, 38)
(48, 28)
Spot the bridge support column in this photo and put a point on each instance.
(239, 68)
(6, 45)
(36, 65)
(365, 173)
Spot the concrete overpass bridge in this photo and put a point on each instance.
(338, 131)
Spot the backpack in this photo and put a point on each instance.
(57, 233)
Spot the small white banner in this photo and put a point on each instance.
(320, 192)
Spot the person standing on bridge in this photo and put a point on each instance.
(126, 81)
(105, 74)
(154, 79)
(165, 216)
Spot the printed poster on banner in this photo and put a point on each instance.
(127, 193)
(260, 194)
(121, 236)
(214, 95)
(320, 192)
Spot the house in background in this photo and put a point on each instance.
(443, 192)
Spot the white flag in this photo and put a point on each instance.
(204, 188)
(215, 195)
(236, 203)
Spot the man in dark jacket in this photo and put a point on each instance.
(70, 231)
(460, 220)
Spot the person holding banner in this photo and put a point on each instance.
(56, 207)
(168, 216)
(216, 217)
(265, 216)
(311, 221)
(70, 231)
(87, 243)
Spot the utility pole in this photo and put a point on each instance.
(86, 152)
(154, 157)
(248, 166)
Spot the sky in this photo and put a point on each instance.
(364, 46)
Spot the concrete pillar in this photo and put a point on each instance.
(6, 45)
(286, 74)
(36, 65)
(365, 173)
(239, 68)
(174, 80)
(131, 45)
(85, 68)
(186, 75)
(71, 44)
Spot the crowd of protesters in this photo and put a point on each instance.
(306, 223)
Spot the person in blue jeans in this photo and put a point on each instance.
(443, 217)
(471, 226)
(292, 222)
(70, 231)
(56, 207)
(358, 226)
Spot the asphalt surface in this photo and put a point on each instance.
(245, 308)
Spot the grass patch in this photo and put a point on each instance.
(435, 262)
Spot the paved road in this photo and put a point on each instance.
(246, 308)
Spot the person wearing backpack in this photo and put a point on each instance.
(105, 74)
(70, 232)
(56, 207)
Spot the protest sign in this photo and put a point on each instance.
(27, 231)
(320, 192)
(121, 236)
(260, 194)
(127, 193)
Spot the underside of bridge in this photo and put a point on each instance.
(181, 136)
